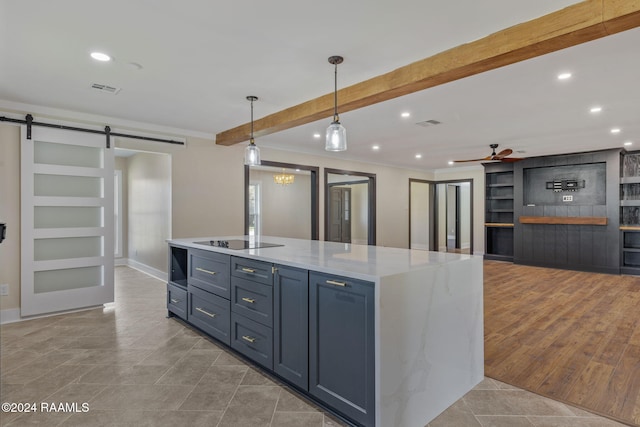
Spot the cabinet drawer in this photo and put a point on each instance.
(257, 271)
(209, 271)
(177, 300)
(210, 313)
(253, 300)
(252, 339)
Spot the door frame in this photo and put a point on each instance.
(371, 196)
(433, 208)
(315, 193)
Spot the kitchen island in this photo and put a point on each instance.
(382, 336)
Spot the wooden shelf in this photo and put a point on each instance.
(628, 202)
(630, 180)
(499, 210)
(570, 220)
(500, 198)
(630, 227)
(498, 224)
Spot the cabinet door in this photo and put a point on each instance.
(341, 345)
(291, 325)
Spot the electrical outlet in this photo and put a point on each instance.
(4, 290)
(567, 198)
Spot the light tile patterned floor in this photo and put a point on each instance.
(135, 367)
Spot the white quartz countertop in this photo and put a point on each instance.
(358, 261)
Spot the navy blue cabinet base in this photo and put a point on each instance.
(312, 330)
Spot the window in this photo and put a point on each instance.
(254, 209)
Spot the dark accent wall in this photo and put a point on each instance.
(575, 247)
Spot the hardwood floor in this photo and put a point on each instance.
(571, 336)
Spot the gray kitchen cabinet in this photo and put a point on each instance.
(341, 345)
(291, 325)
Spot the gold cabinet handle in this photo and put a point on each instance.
(248, 270)
(205, 271)
(334, 282)
(248, 338)
(206, 312)
(175, 301)
(249, 300)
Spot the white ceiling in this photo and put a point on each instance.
(201, 58)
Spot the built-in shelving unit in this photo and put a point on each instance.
(630, 213)
(499, 211)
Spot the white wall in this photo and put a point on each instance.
(359, 213)
(10, 214)
(420, 215)
(121, 164)
(149, 196)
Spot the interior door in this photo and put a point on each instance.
(67, 235)
(340, 219)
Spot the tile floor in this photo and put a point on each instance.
(135, 367)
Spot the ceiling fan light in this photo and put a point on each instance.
(336, 137)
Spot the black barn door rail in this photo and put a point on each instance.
(107, 130)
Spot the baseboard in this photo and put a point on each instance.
(9, 315)
(420, 247)
(151, 271)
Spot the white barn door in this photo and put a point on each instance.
(67, 226)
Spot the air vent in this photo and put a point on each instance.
(105, 88)
(428, 123)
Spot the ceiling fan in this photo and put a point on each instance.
(501, 156)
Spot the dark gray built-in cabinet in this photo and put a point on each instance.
(498, 224)
(630, 213)
(568, 211)
(313, 330)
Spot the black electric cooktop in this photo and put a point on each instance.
(238, 244)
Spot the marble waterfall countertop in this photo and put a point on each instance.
(429, 340)
(357, 261)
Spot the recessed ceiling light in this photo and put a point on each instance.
(99, 56)
(564, 76)
(596, 109)
(375, 147)
(450, 162)
(628, 143)
(418, 156)
(406, 114)
(615, 130)
(316, 135)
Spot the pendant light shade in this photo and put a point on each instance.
(252, 152)
(336, 138)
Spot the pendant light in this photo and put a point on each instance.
(252, 152)
(336, 133)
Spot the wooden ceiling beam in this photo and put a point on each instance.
(573, 25)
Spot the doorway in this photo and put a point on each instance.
(281, 199)
(350, 207)
(441, 215)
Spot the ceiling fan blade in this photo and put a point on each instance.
(503, 153)
(474, 160)
(511, 159)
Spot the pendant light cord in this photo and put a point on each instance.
(251, 139)
(335, 94)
